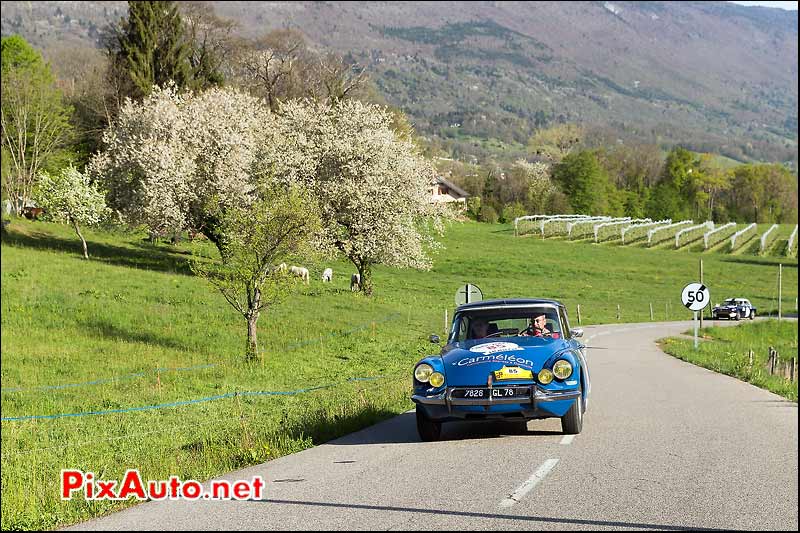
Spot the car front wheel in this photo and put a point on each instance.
(572, 422)
(752, 315)
(428, 429)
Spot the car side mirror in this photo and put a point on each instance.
(435, 339)
(576, 332)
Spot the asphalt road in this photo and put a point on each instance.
(665, 446)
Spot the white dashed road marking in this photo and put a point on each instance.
(532, 481)
(567, 439)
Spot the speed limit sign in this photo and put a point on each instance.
(695, 296)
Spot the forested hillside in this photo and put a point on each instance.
(477, 78)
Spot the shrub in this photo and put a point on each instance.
(512, 211)
(488, 214)
(474, 207)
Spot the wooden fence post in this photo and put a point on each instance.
(794, 369)
(651, 311)
(618, 314)
(579, 314)
(774, 361)
(769, 361)
(750, 359)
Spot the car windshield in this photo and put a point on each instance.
(729, 301)
(514, 322)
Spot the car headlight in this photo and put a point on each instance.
(423, 372)
(436, 379)
(545, 376)
(562, 369)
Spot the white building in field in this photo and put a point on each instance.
(445, 191)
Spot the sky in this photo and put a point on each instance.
(783, 5)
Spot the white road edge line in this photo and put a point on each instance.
(567, 439)
(526, 487)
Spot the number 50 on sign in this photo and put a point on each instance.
(695, 296)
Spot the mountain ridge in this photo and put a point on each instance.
(711, 76)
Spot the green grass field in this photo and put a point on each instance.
(726, 350)
(134, 320)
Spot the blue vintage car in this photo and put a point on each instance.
(508, 360)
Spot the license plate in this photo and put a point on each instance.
(497, 392)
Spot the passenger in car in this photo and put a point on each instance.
(479, 328)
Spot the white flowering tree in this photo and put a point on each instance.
(540, 187)
(181, 161)
(372, 186)
(279, 225)
(69, 197)
(178, 161)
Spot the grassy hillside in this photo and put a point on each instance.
(132, 328)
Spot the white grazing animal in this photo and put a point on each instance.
(301, 272)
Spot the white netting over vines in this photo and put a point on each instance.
(768, 238)
(531, 223)
(687, 235)
(637, 231)
(580, 228)
(657, 235)
(742, 236)
(606, 230)
(718, 235)
(792, 241)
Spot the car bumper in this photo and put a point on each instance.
(539, 403)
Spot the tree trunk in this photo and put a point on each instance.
(83, 241)
(211, 226)
(217, 239)
(365, 275)
(251, 353)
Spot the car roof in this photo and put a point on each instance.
(510, 302)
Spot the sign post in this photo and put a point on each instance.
(695, 297)
(701, 281)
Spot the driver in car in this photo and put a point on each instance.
(538, 328)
